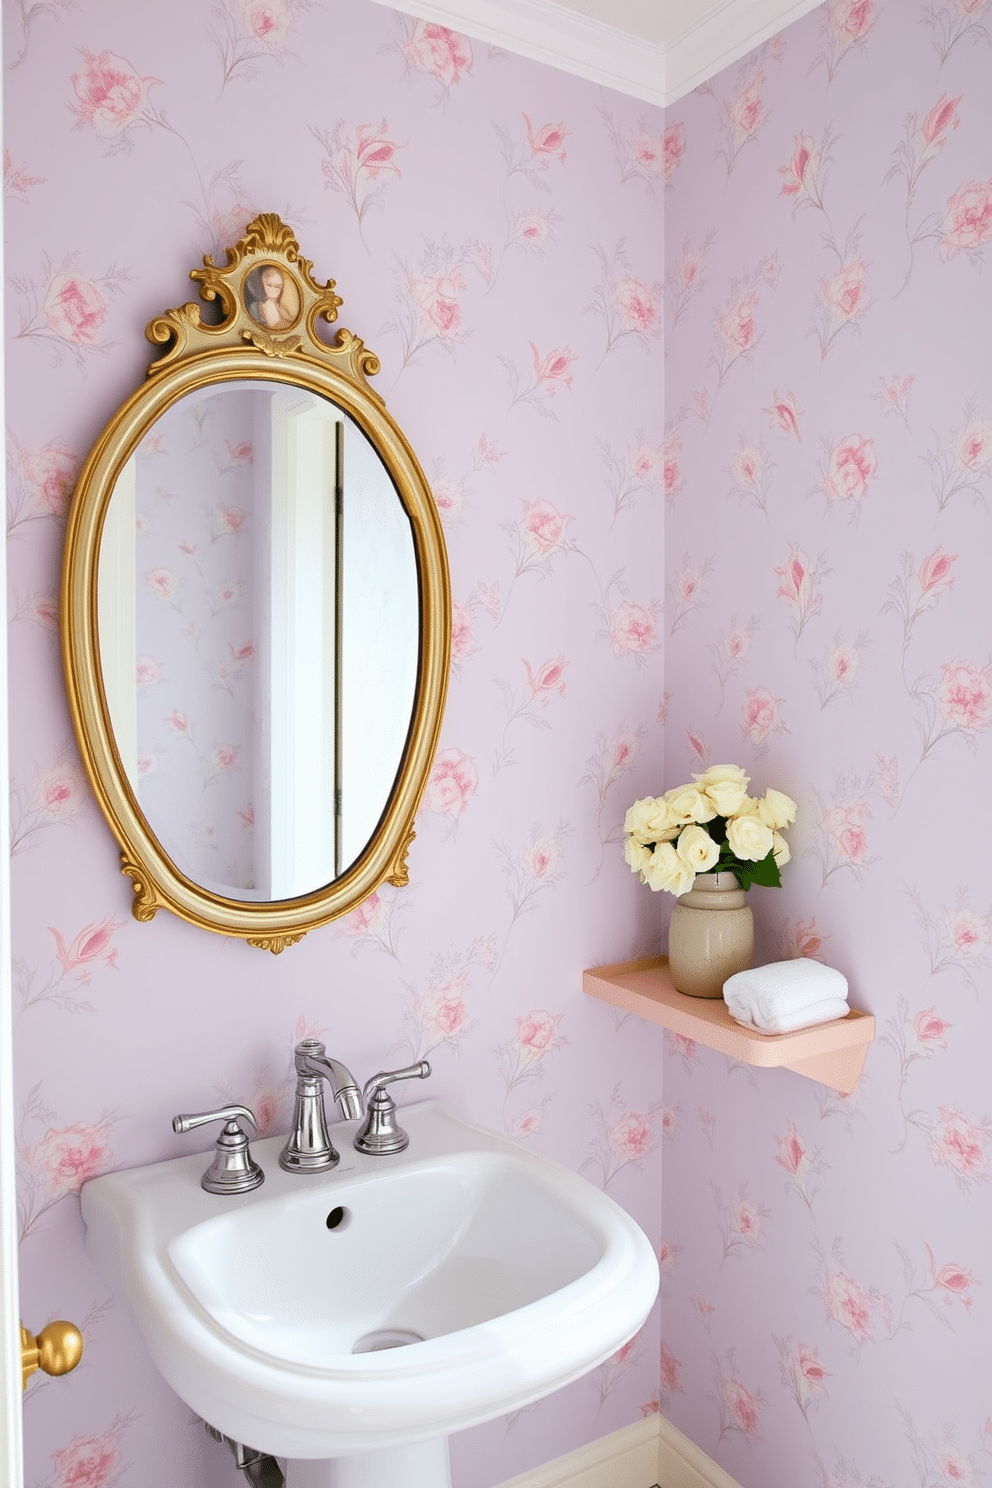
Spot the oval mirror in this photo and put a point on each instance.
(256, 612)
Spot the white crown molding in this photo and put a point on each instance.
(560, 37)
(555, 35)
(723, 37)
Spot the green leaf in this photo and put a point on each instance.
(766, 873)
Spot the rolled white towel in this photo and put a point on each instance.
(786, 995)
(807, 1017)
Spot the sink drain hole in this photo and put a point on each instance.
(385, 1338)
(338, 1218)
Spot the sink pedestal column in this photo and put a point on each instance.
(423, 1465)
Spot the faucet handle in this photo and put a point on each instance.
(381, 1134)
(184, 1124)
(233, 1169)
(419, 1071)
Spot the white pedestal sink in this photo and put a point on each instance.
(504, 1275)
(423, 1465)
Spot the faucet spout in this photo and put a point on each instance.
(344, 1086)
(308, 1148)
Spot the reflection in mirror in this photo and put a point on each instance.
(259, 622)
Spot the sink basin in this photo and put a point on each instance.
(472, 1276)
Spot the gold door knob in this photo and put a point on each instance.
(57, 1349)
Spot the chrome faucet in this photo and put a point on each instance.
(308, 1148)
(382, 1133)
(233, 1170)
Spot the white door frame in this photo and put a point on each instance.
(11, 1454)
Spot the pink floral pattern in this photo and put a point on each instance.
(954, 21)
(730, 652)
(547, 142)
(88, 1461)
(671, 1375)
(633, 629)
(687, 589)
(741, 1224)
(847, 24)
(802, 1372)
(544, 682)
(740, 1407)
(437, 52)
(805, 173)
(919, 587)
(94, 943)
(522, 1057)
(964, 695)
(673, 148)
(737, 328)
(66, 1157)
(68, 309)
(110, 95)
(760, 716)
(453, 782)
(628, 305)
(688, 277)
(802, 1164)
(40, 483)
(962, 463)
(548, 373)
(429, 309)
(543, 528)
(960, 1144)
(751, 469)
(837, 670)
(743, 114)
(967, 224)
(249, 32)
(850, 1305)
(56, 796)
(359, 163)
(799, 443)
(784, 414)
(17, 180)
(684, 480)
(952, 1283)
(624, 1138)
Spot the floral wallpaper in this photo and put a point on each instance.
(826, 1319)
(767, 549)
(496, 231)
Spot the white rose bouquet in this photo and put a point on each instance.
(711, 826)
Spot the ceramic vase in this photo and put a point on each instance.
(711, 935)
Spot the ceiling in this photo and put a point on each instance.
(656, 50)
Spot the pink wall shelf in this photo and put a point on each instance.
(832, 1053)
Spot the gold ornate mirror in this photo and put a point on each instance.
(256, 611)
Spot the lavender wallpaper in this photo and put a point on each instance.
(793, 506)
(826, 1321)
(496, 231)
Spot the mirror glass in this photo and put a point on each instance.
(259, 620)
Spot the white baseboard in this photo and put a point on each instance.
(648, 1453)
(681, 1464)
(627, 1458)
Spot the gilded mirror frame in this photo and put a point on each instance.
(198, 354)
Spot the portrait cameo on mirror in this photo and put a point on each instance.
(271, 297)
(257, 668)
